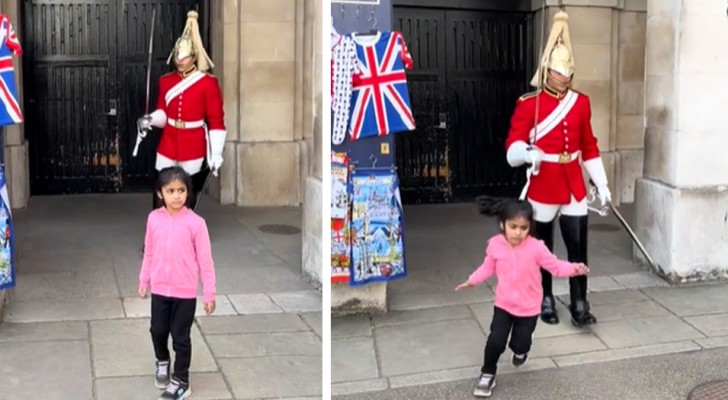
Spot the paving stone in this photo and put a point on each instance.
(603, 284)
(616, 312)
(351, 327)
(642, 279)
(424, 315)
(134, 307)
(413, 348)
(298, 301)
(62, 286)
(369, 385)
(690, 301)
(710, 325)
(345, 368)
(252, 324)
(315, 322)
(558, 345)
(713, 342)
(264, 344)
(420, 300)
(644, 331)
(65, 375)
(205, 386)
(37, 311)
(625, 353)
(124, 348)
(256, 303)
(43, 331)
(266, 377)
(613, 297)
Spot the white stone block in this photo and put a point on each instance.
(350, 300)
(312, 224)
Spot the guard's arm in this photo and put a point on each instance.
(518, 150)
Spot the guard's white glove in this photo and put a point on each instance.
(604, 194)
(215, 162)
(595, 168)
(145, 123)
(534, 156)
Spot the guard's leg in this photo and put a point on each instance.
(198, 181)
(574, 227)
(544, 215)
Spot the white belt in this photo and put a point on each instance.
(185, 124)
(562, 158)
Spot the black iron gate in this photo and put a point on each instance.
(470, 66)
(84, 69)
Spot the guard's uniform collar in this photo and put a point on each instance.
(188, 72)
(554, 93)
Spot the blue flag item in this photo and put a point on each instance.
(7, 270)
(377, 228)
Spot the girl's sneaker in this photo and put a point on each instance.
(176, 390)
(485, 385)
(519, 359)
(161, 378)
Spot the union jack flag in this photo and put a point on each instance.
(380, 104)
(10, 112)
(7, 265)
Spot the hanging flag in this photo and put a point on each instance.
(7, 267)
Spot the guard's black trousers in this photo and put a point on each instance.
(574, 233)
(504, 323)
(172, 316)
(198, 181)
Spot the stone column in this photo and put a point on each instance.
(312, 55)
(16, 147)
(682, 201)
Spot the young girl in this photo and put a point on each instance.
(515, 258)
(177, 256)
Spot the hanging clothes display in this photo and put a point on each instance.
(340, 218)
(377, 228)
(343, 68)
(10, 114)
(380, 103)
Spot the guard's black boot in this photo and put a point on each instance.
(545, 231)
(580, 315)
(548, 311)
(574, 232)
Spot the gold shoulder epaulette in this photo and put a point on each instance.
(528, 95)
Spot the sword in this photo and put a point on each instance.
(142, 133)
(202, 192)
(626, 226)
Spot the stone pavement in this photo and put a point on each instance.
(434, 334)
(74, 328)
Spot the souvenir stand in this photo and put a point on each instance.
(370, 104)
(10, 114)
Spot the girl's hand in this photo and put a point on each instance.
(209, 307)
(581, 269)
(142, 291)
(464, 285)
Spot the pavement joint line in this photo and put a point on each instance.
(377, 357)
(92, 367)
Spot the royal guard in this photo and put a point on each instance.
(189, 112)
(551, 130)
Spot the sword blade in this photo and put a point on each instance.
(202, 192)
(149, 60)
(632, 235)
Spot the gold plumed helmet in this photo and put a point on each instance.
(190, 44)
(557, 55)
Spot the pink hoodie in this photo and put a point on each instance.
(519, 288)
(177, 254)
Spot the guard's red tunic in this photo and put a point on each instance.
(201, 101)
(556, 182)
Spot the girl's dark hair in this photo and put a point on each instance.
(514, 209)
(171, 174)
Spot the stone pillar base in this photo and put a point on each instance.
(353, 300)
(311, 235)
(681, 228)
(17, 174)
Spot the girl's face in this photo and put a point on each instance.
(174, 195)
(516, 230)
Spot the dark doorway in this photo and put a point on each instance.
(84, 69)
(472, 60)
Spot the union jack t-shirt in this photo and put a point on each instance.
(380, 104)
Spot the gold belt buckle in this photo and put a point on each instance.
(564, 158)
(179, 124)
